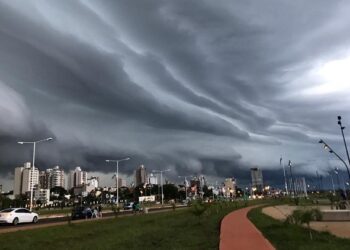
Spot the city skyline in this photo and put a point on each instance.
(208, 88)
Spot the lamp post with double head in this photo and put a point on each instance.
(342, 132)
(330, 150)
(161, 180)
(117, 161)
(33, 162)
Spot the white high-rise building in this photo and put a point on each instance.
(25, 179)
(42, 194)
(93, 181)
(152, 179)
(52, 177)
(30, 179)
(57, 177)
(77, 178)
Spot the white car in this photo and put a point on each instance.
(18, 215)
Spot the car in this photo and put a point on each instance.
(18, 215)
(81, 213)
(128, 206)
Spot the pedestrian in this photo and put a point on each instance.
(138, 207)
(95, 213)
(134, 207)
(100, 211)
(88, 213)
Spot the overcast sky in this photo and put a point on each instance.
(207, 87)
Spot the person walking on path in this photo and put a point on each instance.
(100, 211)
(238, 232)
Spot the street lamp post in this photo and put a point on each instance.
(161, 180)
(117, 161)
(330, 174)
(291, 174)
(342, 132)
(31, 176)
(326, 146)
(284, 173)
(337, 173)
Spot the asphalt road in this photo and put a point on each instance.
(46, 222)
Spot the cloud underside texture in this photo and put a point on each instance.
(198, 87)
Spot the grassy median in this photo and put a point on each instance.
(179, 229)
(288, 236)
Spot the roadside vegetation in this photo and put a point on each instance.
(293, 236)
(197, 227)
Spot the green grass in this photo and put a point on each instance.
(179, 229)
(286, 236)
(46, 211)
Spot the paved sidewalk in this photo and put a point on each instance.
(237, 232)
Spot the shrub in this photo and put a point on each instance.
(69, 220)
(198, 208)
(299, 217)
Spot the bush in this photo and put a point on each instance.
(198, 208)
(69, 220)
(116, 210)
(299, 217)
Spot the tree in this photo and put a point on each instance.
(59, 192)
(207, 192)
(239, 192)
(139, 191)
(170, 191)
(310, 215)
(198, 208)
(299, 217)
(125, 194)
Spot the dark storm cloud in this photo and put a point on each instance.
(206, 87)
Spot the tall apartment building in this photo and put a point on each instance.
(93, 181)
(140, 175)
(17, 189)
(57, 177)
(121, 182)
(52, 177)
(44, 178)
(230, 187)
(152, 179)
(195, 185)
(42, 194)
(77, 178)
(30, 179)
(25, 179)
(257, 179)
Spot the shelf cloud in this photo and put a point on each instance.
(209, 87)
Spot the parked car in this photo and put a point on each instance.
(18, 215)
(128, 206)
(81, 213)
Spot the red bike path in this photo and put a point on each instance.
(238, 233)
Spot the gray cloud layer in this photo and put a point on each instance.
(206, 87)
